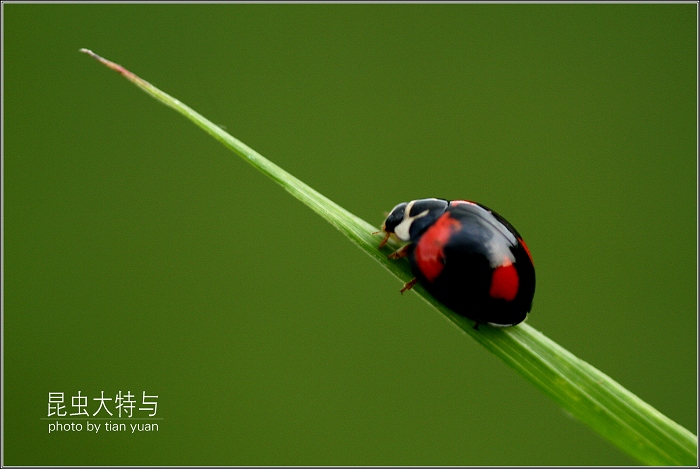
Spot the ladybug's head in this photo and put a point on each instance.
(408, 220)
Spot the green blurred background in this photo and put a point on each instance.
(141, 255)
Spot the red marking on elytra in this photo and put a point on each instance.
(504, 282)
(429, 253)
(526, 250)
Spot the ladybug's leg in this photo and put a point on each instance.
(402, 252)
(387, 235)
(409, 285)
(476, 326)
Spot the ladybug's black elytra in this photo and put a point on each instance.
(467, 256)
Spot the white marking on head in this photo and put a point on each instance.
(403, 228)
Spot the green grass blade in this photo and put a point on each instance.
(588, 394)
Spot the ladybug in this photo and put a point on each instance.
(467, 256)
